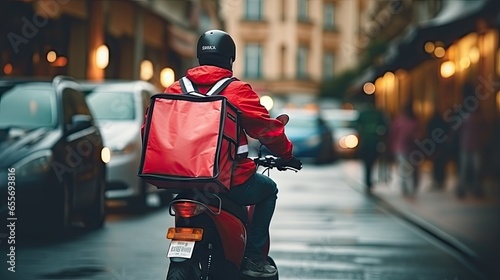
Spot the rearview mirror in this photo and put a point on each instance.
(283, 118)
(80, 122)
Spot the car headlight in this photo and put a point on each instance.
(313, 141)
(35, 164)
(348, 142)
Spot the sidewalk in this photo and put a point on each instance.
(470, 225)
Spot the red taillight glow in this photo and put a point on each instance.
(188, 209)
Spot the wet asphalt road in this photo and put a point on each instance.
(322, 229)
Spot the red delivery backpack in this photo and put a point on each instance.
(190, 140)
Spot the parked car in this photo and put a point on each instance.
(119, 108)
(311, 137)
(51, 169)
(342, 123)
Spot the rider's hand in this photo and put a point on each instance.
(295, 163)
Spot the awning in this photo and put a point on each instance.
(456, 19)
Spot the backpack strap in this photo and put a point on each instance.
(220, 86)
(189, 88)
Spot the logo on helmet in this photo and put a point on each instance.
(203, 48)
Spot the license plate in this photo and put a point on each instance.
(181, 249)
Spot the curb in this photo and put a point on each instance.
(466, 253)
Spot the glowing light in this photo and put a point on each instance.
(369, 88)
(105, 154)
(389, 75)
(102, 57)
(429, 47)
(498, 100)
(267, 102)
(447, 69)
(474, 54)
(351, 141)
(464, 62)
(146, 70)
(60, 61)
(51, 56)
(167, 77)
(7, 69)
(36, 58)
(439, 52)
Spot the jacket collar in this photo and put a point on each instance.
(207, 74)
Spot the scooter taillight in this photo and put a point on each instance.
(188, 209)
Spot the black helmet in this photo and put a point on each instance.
(216, 43)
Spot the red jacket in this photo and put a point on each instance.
(255, 119)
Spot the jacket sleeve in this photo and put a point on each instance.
(259, 125)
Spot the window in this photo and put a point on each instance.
(26, 106)
(253, 60)
(302, 62)
(303, 10)
(74, 104)
(112, 105)
(253, 9)
(329, 16)
(328, 65)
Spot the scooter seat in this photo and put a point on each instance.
(228, 204)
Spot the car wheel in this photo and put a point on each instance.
(94, 217)
(59, 215)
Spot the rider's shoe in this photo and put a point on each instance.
(258, 268)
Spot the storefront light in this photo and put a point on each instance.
(498, 62)
(369, 88)
(267, 102)
(102, 57)
(465, 62)
(146, 70)
(498, 100)
(51, 56)
(7, 69)
(167, 77)
(447, 69)
(429, 47)
(474, 55)
(439, 52)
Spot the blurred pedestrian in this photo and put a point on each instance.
(472, 138)
(372, 128)
(404, 132)
(440, 153)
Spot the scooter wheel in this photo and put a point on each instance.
(186, 270)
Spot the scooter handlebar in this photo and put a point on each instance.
(273, 162)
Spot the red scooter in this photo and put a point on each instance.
(209, 237)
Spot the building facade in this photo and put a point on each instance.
(102, 39)
(285, 48)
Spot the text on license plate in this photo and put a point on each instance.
(180, 249)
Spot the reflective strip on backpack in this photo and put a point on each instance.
(242, 149)
(189, 87)
(217, 86)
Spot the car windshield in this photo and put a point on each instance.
(111, 105)
(27, 107)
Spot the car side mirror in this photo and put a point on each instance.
(80, 122)
(283, 118)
